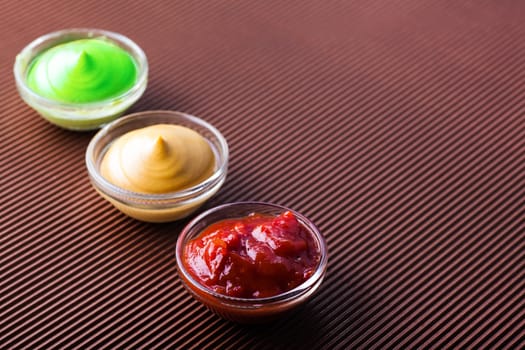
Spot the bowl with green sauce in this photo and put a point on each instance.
(81, 79)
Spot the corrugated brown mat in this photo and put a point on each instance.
(397, 126)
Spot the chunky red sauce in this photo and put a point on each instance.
(253, 257)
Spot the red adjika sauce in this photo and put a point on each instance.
(253, 257)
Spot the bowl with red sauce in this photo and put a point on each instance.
(251, 262)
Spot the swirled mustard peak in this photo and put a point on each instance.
(158, 159)
(82, 71)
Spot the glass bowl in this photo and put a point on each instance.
(249, 310)
(156, 207)
(79, 116)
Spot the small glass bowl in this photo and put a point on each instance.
(245, 310)
(79, 116)
(156, 207)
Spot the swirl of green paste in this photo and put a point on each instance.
(84, 70)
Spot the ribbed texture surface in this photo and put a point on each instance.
(398, 127)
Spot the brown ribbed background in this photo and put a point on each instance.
(396, 126)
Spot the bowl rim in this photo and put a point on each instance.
(242, 302)
(117, 38)
(119, 193)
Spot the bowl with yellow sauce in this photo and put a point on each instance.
(157, 166)
(81, 79)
